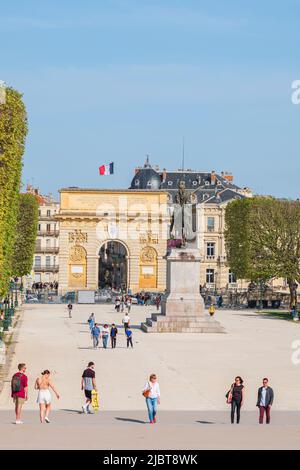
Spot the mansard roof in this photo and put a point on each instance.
(207, 186)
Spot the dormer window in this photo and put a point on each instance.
(170, 183)
(149, 183)
(195, 183)
(206, 183)
(137, 182)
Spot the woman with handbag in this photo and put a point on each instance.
(152, 394)
(235, 397)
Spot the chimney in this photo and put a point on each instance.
(213, 177)
(164, 175)
(227, 176)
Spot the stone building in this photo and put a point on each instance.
(210, 193)
(112, 239)
(46, 256)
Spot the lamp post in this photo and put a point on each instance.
(7, 317)
(216, 282)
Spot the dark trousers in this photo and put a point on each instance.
(129, 342)
(113, 341)
(126, 325)
(235, 407)
(262, 411)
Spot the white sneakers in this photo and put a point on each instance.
(19, 422)
(47, 420)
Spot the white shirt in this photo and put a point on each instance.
(155, 391)
(105, 331)
(126, 319)
(263, 397)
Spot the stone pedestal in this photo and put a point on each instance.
(183, 310)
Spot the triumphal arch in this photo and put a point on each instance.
(112, 239)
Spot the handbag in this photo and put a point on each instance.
(146, 393)
(229, 395)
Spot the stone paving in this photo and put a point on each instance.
(194, 371)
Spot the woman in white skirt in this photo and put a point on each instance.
(43, 385)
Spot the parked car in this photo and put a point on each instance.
(31, 298)
(103, 296)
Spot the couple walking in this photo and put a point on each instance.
(236, 396)
(96, 333)
(19, 393)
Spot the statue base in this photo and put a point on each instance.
(183, 311)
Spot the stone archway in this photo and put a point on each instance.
(113, 266)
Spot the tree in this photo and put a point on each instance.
(263, 240)
(13, 131)
(26, 232)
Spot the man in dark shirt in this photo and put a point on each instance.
(113, 335)
(70, 308)
(88, 384)
(265, 398)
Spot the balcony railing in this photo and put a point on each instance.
(48, 233)
(49, 249)
(47, 217)
(210, 257)
(44, 268)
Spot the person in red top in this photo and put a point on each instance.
(19, 391)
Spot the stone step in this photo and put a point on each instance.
(182, 327)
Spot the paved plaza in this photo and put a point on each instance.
(194, 372)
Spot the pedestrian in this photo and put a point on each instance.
(105, 335)
(95, 335)
(43, 385)
(113, 335)
(70, 308)
(117, 304)
(19, 391)
(151, 392)
(88, 384)
(211, 310)
(128, 304)
(157, 301)
(122, 304)
(265, 398)
(91, 320)
(126, 321)
(128, 333)
(235, 397)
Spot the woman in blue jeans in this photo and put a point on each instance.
(151, 392)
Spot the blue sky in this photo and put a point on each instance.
(114, 80)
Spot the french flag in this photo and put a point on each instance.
(106, 169)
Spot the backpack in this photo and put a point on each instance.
(16, 383)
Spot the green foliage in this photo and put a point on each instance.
(263, 239)
(26, 232)
(13, 130)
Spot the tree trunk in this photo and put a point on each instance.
(293, 292)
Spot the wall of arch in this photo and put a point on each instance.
(148, 268)
(77, 267)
